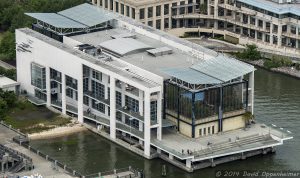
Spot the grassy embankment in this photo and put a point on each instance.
(32, 119)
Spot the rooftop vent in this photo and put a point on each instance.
(160, 51)
(124, 35)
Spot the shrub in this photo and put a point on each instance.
(278, 61)
(250, 53)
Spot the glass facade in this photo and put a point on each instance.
(38, 76)
(98, 106)
(153, 110)
(98, 89)
(132, 104)
(184, 105)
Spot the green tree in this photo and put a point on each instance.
(7, 45)
(250, 53)
(3, 107)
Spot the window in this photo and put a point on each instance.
(142, 13)
(166, 9)
(54, 74)
(119, 116)
(117, 6)
(153, 110)
(105, 4)
(208, 130)
(132, 104)
(150, 12)
(118, 99)
(85, 84)
(38, 76)
(111, 4)
(98, 90)
(86, 100)
(98, 106)
(69, 92)
(166, 23)
(158, 24)
(213, 129)
(174, 10)
(97, 75)
(200, 132)
(204, 131)
(158, 11)
(133, 13)
(127, 11)
(70, 82)
(122, 9)
(39, 94)
(150, 23)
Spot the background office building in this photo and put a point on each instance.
(272, 25)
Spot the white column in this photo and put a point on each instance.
(98, 3)
(48, 86)
(251, 85)
(63, 93)
(159, 118)
(279, 35)
(112, 108)
(80, 96)
(114, 6)
(147, 129)
(188, 163)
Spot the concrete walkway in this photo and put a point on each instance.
(6, 65)
(42, 167)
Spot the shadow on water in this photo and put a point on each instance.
(277, 101)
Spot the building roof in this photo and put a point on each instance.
(223, 68)
(87, 14)
(274, 7)
(191, 76)
(7, 82)
(56, 20)
(123, 46)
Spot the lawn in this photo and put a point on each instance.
(32, 119)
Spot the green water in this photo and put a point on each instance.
(277, 101)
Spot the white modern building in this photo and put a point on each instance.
(8, 84)
(270, 24)
(142, 86)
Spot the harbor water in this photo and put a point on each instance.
(277, 101)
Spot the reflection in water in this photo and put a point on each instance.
(277, 101)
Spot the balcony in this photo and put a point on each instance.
(96, 97)
(102, 120)
(123, 127)
(35, 100)
(133, 114)
(56, 103)
(72, 109)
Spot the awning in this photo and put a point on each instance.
(56, 20)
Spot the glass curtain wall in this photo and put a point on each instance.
(38, 76)
(179, 102)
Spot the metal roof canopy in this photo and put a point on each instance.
(56, 20)
(191, 76)
(274, 7)
(87, 14)
(223, 68)
(123, 46)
